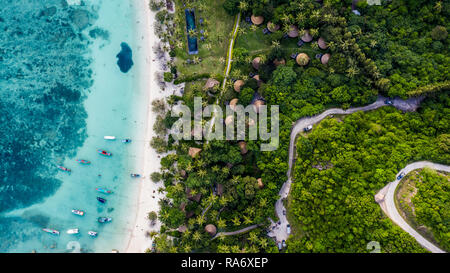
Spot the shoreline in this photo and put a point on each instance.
(138, 241)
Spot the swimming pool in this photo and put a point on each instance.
(190, 24)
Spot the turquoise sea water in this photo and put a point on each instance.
(61, 91)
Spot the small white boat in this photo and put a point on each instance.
(73, 231)
(109, 137)
(92, 233)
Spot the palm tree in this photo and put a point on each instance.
(221, 223)
(223, 201)
(202, 173)
(373, 43)
(275, 44)
(208, 46)
(235, 249)
(222, 60)
(263, 202)
(236, 221)
(187, 248)
(263, 243)
(179, 44)
(243, 6)
(247, 220)
(196, 236)
(223, 249)
(253, 27)
(200, 220)
(192, 32)
(352, 71)
(253, 237)
(225, 170)
(195, 60)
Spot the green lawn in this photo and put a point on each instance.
(218, 26)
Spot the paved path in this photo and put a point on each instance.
(279, 230)
(385, 197)
(235, 232)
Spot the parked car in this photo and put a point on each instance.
(388, 102)
(279, 245)
(288, 229)
(308, 128)
(400, 176)
(284, 212)
(283, 243)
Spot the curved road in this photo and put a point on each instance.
(385, 197)
(235, 232)
(279, 230)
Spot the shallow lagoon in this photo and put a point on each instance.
(61, 91)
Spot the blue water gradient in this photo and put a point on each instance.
(47, 118)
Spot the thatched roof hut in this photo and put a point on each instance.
(210, 83)
(211, 229)
(182, 228)
(256, 62)
(302, 59)
(277, 62)
(325, 58)
(233, 103)
(220, 189)
(191, 197)
(322, 44)
(183, 206)
(273, 27)
(258, 80)
(293, 31)
(260, 183)
(257, 104)
(257, 20)
(193, 152)
(238, 84)
(229, 119)
(307, 37)
(243, 147)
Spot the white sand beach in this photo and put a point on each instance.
(148, 196)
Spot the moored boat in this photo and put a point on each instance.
(127, 140)
(109, 137)
(51, 231)
(92, 233)
(135, 175)
(73, 231)
(104, 219)
(102, 152)
(78, 212)
(64, 169)
(82, 161)
(103, 190)
(101, 200)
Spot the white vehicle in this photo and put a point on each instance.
(308, 128)
(288, 229)
(73, 231)
(279, 246)
(109, 137)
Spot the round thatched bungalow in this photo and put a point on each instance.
(302, 59)
(211, 229)
(322, 44)
(307, 37)
(325, 58)
(273, 27)
(257, 104)
(233, 103)
(293, 31)
(260, 183)
(277, 62)
(238, 84)
(229, 119)
(243, 147)
(193, 152)
(210, 83)
(256, 62)
(257, 20)
(258, 80)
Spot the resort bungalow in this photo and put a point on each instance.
(237, 85)
(293, 31)
(321, 43)
(193, 152)
(277, 62)
(211, 229)
(258, 80)
(243, 147)
(307, 37)
(210, 84)
(260, 183)
(273, 27)
(256, 62)
(325, 58)
(302, 59)
(257, 20)
(233, 103)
